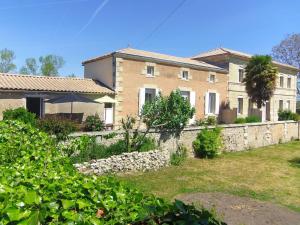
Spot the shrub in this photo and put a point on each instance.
(20, 114)
(240, 120)
(75, 146)
(209, 121)
(61, 128)
(93, 123)
(40, 186)
(252, 119)
(208, 143)
(287, 115)
(179, 156)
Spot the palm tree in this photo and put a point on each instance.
(260, 79)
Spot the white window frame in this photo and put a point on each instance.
(280, 105)
(210, 76)
(243, 75)
(289, 82)
(281, 81)
(207, 103)
(153, 71)
(142, 97)
(183, 72)
(238, 106)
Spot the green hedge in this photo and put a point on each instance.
(38, 185)
(20, 114)
(288, 115)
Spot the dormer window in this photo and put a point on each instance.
(185, 75)
(150, 71)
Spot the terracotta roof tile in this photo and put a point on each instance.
(52, 84)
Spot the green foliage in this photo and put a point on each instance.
(240, 120)
(40, 186)
(110, 135)
(287, 115)
(6, 61)
(61, 128)
(172, 112)
(75, 146)
(179, 156)
(260, 79)
(208, 143)
(248, 119)
(30, 67)
(252, 119)
(20, 114)
(209, 121)
(50, 64)
(100, 151)
(93, 123)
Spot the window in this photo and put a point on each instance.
(150, 71)
(185, 95)
(185, 75)
(240, 106)
(281, 81)
(289, 82)
(212, 103)
(212, 78)
(288, 104)
(241, 75)
(150, 94)
(280, 105)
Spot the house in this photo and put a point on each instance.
(32, 93)
(235, 62)
(138, 76)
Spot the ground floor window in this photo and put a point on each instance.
(240, 107)
(185, 95)
(150, 94)
(280, 105)
(212, 103)
(35, 105)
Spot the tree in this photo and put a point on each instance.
(6, 61)
(260, 79)
(288, 50)
(31, 67)
(50, 64)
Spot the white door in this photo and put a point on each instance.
(108, 114)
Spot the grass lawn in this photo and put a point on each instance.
(271, 174)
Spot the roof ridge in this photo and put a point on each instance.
(43, 77)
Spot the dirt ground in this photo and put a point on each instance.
(236, 210)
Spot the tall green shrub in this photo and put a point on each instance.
(208, 143)
(93, 123)
(287, 115)
(20, 114)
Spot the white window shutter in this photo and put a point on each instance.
(217, 103)
(206, 105)
(141, 99)
(157, 91)
(193, 104)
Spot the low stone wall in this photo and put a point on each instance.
(126, 162)
(236, 137)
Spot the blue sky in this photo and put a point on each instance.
(76, 30)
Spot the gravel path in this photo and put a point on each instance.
(243, 211)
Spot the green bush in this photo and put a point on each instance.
(100, 151)
(61, 128)
(209, 121)
(240, 120)
(208, 143)
(252, 119)
(93, 123)
(179, 156)
(40, 186)
(74, 146)
(287, 115)
(20, 114)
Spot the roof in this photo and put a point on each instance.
(51, 84)
(147, 55)
(224, 51)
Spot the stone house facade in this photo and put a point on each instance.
(235, 62)
(138, 76)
